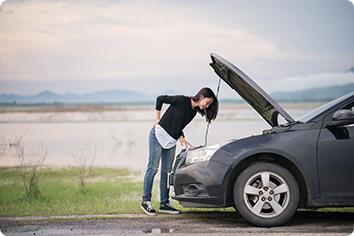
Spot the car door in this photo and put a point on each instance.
(336, 158)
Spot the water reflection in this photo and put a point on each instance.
(121, 138)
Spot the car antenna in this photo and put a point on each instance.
(207, 129)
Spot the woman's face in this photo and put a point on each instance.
(205, 102)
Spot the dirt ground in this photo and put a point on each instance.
(196, 223)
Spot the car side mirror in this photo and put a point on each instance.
(342, 117)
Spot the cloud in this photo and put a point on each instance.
(158, 38)
(1, 2)
(104, 20)
(310, 81)
(162, 44)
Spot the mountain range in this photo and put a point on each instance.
(313, 94)
(128, 96)
(107, 96)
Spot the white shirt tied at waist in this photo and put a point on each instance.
(165, 140)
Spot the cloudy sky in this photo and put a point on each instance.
(157, 46)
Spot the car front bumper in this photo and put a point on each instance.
(199, 184)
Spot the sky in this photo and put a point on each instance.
(164, 46)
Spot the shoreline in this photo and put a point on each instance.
(46, 108)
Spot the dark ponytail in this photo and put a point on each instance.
(212, 111)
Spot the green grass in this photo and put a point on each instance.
(107, 190)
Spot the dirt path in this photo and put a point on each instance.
(197, 223)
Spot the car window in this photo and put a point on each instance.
(312, 114)
(349, 107)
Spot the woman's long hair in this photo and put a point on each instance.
(212, 110)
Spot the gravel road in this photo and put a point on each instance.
(191, 223)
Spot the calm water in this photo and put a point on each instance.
(115, 139)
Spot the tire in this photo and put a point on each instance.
(266, 194)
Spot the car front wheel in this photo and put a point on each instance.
(266, 194)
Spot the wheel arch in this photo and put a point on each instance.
(270, 158)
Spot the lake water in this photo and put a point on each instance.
(116, 138)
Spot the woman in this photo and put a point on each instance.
(163, 138)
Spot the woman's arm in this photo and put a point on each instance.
(158, 115)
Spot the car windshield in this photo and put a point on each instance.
(312, 114)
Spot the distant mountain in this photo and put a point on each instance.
(313, 94)
(127, 96)
(350, 70)
(108, 96)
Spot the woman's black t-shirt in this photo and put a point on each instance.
(178, 115)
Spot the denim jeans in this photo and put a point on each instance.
(156, 152)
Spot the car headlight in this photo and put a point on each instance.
(202, 154)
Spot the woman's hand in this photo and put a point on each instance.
(155, 123)
(185, 143)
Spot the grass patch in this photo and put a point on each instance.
(107, 190)
(337, 209)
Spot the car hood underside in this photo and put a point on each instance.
(249, 90)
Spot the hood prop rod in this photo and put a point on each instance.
(207, 129)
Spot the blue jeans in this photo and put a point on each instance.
(156, 152)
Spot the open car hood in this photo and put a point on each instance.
(249, 90)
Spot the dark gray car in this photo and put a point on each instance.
(303, 163)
